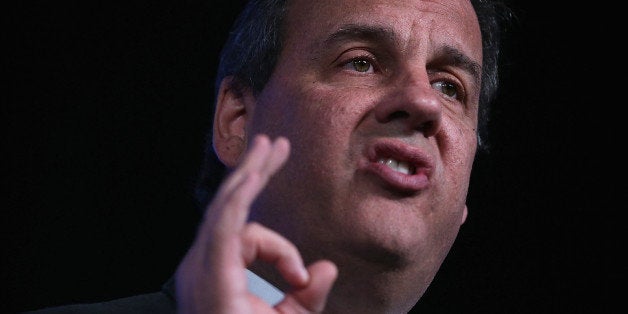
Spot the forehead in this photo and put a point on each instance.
(418, 22)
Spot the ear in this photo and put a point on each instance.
(465, 212)
(233, 104)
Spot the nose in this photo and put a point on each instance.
(413, 103)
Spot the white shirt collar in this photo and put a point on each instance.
(263, 289)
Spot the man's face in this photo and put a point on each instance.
(379, 100)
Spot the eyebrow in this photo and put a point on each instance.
(364, 32)
(459, 59)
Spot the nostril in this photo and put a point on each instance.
(428, 128)
(397, 115)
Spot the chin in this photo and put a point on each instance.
(383, 246)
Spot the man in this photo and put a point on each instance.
(350, 129)
(377, 103)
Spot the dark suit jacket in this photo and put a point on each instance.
(162, 302)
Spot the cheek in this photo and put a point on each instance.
(458, 144)
(315, 115)
(457, 139)
(319, 128)
(323, 125)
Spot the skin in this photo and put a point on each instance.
(357, 82)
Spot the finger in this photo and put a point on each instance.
(254, 158)
(279, 154)
(215, 258)
(266, 245)
(312, 297)
(265, 158)
(222, 218)
(230, 208)
(260, 168)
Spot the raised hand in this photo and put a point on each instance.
(211, 278)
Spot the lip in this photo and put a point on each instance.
(397, 150)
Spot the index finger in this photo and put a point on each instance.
(229, 209)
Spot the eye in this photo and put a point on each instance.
(361, 65)
(447, 88)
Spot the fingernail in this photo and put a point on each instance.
(305, 275)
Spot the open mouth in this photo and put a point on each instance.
(399, 166)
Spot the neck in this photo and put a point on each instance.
(377, 291)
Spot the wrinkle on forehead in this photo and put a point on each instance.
(332, 14)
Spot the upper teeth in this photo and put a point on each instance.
(400, 166)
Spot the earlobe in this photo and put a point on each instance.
(465, 212)
(230, 118)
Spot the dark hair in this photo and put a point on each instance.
(493, 17)
(253, 45)
(255, 42)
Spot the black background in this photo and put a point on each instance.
(104, 121)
